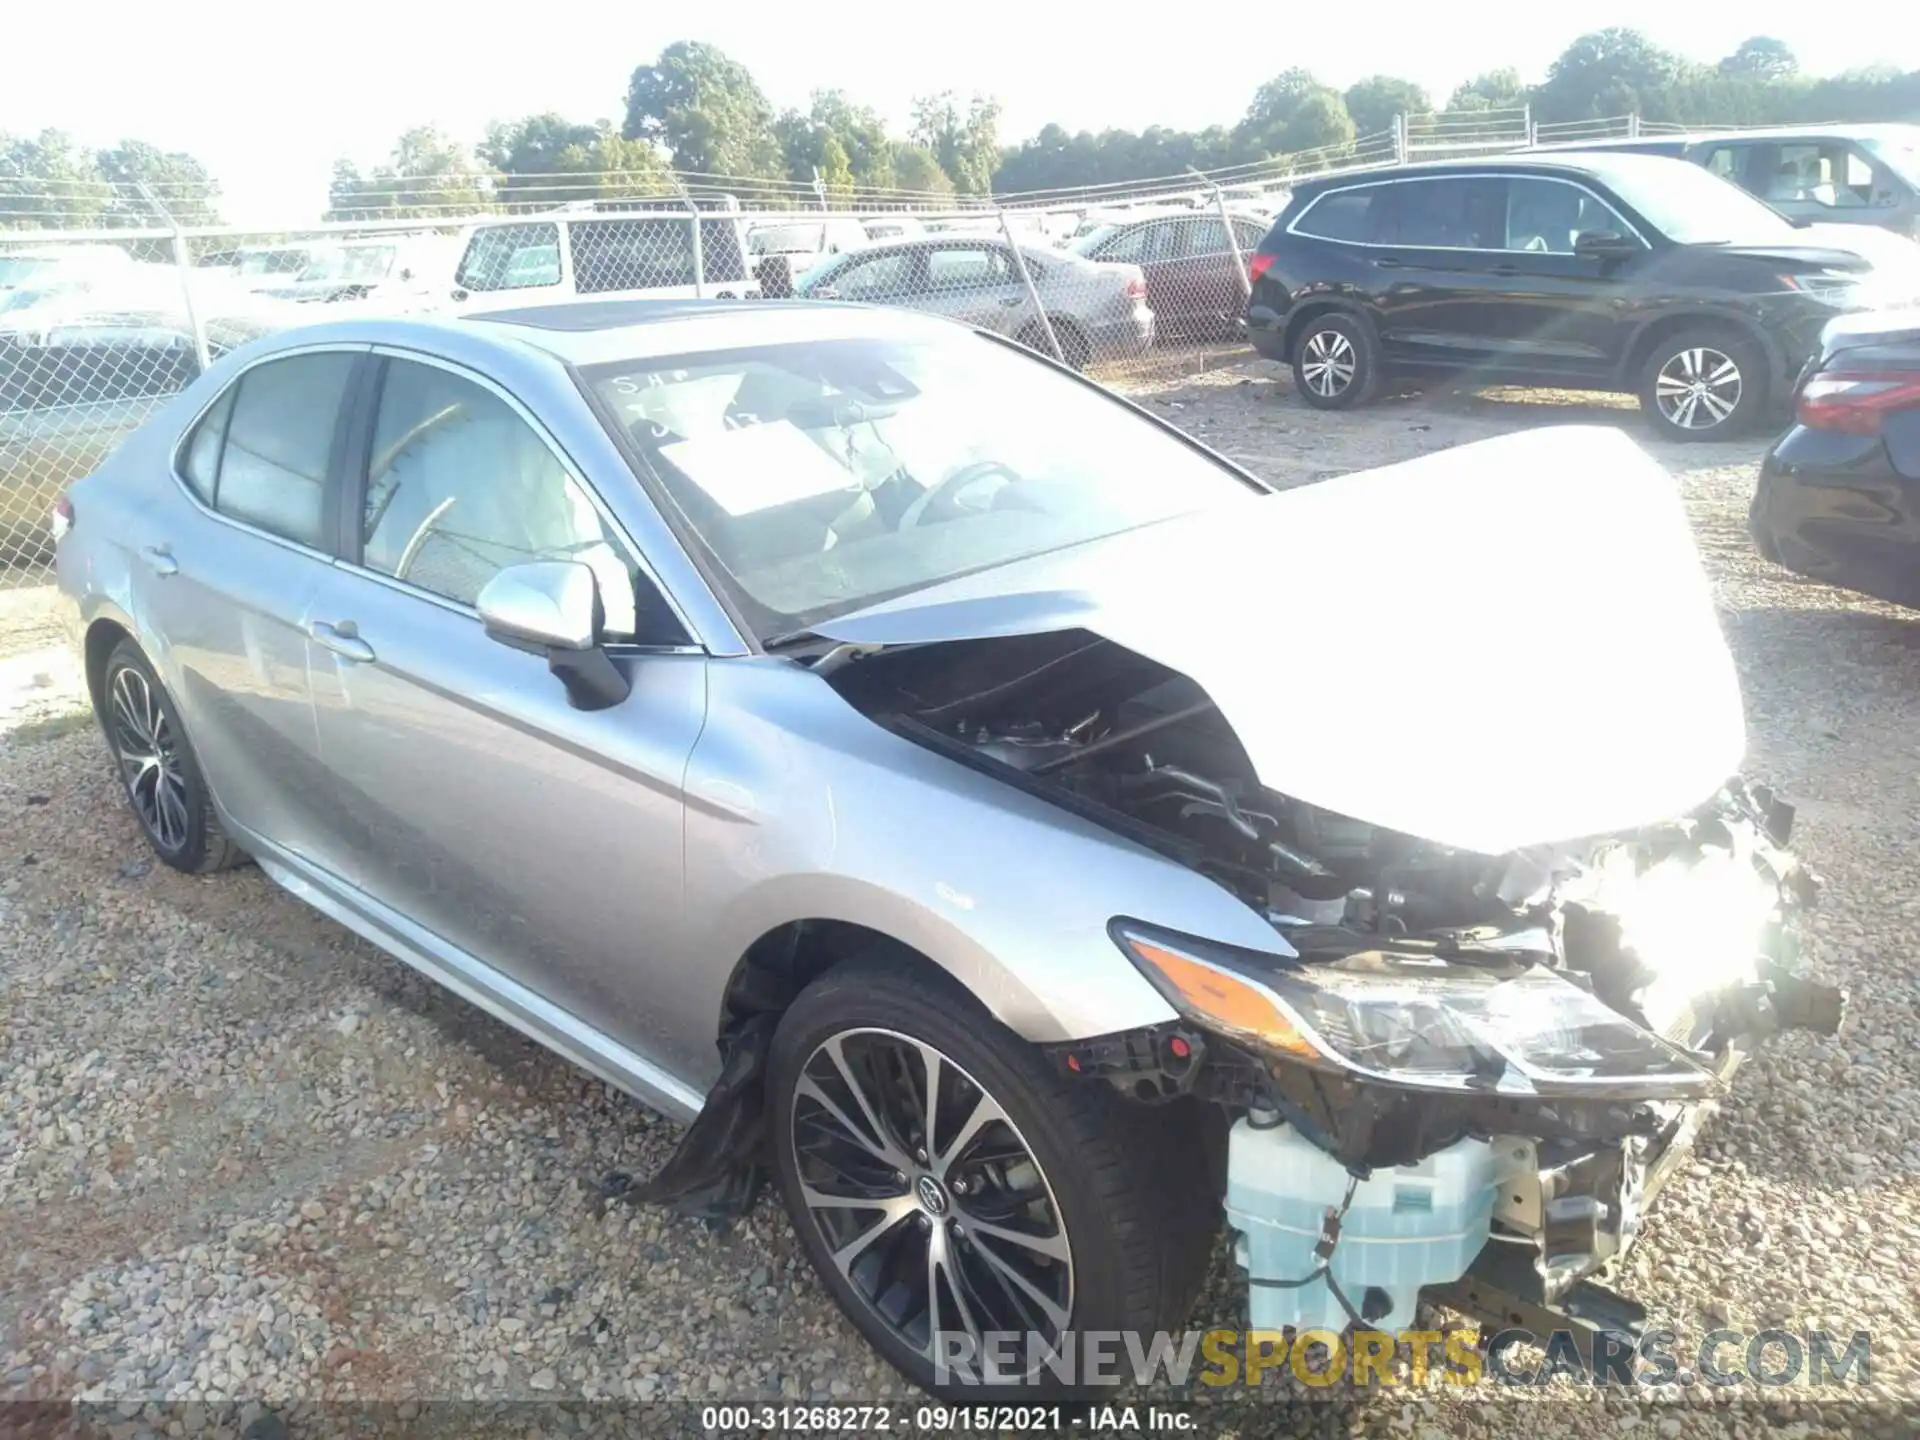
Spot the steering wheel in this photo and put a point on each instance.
(939, 503)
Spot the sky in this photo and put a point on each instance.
(269, 97)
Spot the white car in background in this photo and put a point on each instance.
(779, 252)
(512, 261)
(893, 227)
(45, 267)
(371, 267)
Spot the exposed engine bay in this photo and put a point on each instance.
(1548, 1027)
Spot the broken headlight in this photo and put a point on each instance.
(1418, 1022)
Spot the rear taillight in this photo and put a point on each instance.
(1136, 286)
(1258, 265)
(61, 520)
(1856, 403)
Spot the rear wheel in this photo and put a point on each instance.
(949, 1185)
(1335, 364)
(1704, 384)
(158, 769)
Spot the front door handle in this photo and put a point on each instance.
(342, 638)
(1011, 300)
(160, 559)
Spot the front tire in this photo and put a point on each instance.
(1336, 364)
(1704, 384)
(1016, 1199)
(157, 767)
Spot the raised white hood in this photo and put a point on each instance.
(1503, 644)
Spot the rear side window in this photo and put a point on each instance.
(200, 459)
(641, 254)
(271, 470)
(511, 257)
(1464, 213)
(1341, 215)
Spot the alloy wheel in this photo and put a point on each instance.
(930, 1202)
(1698, 388)
(148, 753)
(1327, 362)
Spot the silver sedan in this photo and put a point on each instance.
(964, 797)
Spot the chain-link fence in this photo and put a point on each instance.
(110, 301)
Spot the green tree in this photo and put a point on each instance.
(1761, 57)
(861, 133)
(705, 110)
(1610, 72)
(428, 174)
(1293, 112)
(965, 143)
(1495, 90)
(916, 171)
(178, 183)
(1320, 123)
(546, 160)
(1375, 101)
(47, 182)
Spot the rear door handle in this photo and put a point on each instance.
(1504, 270)
(342, 638)
(1013, 300)
(160, 559)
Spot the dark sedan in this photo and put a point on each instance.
(1839, 495)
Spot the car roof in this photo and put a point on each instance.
(1709, 134)
(592, 332)
(1577, 164)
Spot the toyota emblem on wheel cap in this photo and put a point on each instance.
(933, 1195)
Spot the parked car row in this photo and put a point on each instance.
(1838, 174)
(1594, 270)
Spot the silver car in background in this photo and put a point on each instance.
(949, 789)
(1097, 312)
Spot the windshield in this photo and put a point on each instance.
(273, 262)
(353, 262)
(19, 269)
(826, 476)
(1898, 150)
(1085, 241)
(1692, 206)
(784, 239)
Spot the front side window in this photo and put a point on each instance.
(272, 467)
(459, 487)
(651, 254)
(1547, 216)
(1897, 148)
(824, 476)
(1456, 213)
(511, 257)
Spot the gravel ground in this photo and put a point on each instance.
(244, 1156)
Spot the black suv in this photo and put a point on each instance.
(1593, 271)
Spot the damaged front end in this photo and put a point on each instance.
(1459, 1074)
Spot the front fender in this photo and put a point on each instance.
(799, 807)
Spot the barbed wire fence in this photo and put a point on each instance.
(115, 296)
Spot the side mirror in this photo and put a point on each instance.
(552, 607)
(1604, 245)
